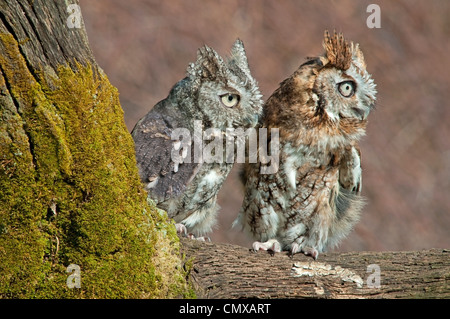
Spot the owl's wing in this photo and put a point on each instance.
(350, 174)
(348, 202)
(163, 177)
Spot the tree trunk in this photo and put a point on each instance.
(228, 271)
(69, 187)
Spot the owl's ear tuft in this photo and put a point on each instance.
(358, 57)
(239, 56)
(337, 50)
(208, 65)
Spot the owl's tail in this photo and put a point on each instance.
(347, 206)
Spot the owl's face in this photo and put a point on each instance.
(227, 94)
(344, 94)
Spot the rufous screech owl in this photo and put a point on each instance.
(313, 200)
(181, 171)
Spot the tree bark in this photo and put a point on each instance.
(228, 271)
(70, 194)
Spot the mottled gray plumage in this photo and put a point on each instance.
(314, 200)
(220, 94)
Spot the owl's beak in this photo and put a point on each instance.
(252, 120)
(363, 113)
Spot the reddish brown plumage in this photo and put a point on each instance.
(337, 51)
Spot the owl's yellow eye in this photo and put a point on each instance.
(230, 100)
(346, 88)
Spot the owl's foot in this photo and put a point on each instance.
(200, 238)
(308, 251)
(181, 230)
(271, 245)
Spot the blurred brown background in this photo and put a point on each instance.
(145, 46)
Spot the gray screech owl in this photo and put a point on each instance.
(313, 200)
(215, 95)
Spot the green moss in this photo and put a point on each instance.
(70, 192)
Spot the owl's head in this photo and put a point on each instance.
(332, 92)
(226, 92)
(345, 89)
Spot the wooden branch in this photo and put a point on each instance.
(229, 271)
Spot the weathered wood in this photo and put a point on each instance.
(229, 271)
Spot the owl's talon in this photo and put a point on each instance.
(276, 247)
(295, 248)
(181, 229)
(311, 252)
(257, 246)
(203, 238)
(272, 246)
(308, 251)
(200, 238)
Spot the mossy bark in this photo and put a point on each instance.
(69, 186)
